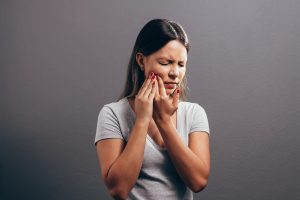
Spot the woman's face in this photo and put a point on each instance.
(169, 63)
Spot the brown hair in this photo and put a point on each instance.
(153, 36)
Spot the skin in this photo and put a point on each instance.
(156, 111)
(169, 63)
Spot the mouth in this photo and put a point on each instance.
(171, 85)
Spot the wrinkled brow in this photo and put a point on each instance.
(169, 59)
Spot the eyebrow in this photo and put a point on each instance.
(169, 59)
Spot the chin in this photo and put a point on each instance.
(168, 91)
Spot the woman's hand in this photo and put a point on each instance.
(143, 103)
(164, 105)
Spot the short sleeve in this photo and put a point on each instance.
(199, 121)
(107, 125)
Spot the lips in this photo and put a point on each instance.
(170, 85)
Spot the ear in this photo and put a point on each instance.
(139, 57)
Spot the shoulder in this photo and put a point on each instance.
(114, 108)
(192, 111)
(116, 105)
(196, 117)
(191, 107)
(111, 121)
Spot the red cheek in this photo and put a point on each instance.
(156, 74)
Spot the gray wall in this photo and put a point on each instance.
(62, 60)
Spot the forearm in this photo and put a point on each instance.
(124, 172)
(192, 169)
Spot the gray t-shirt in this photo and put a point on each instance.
(158, 178)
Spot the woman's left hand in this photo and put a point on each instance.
(164, 105)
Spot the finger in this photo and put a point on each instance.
(176, 97)
(145, 86)
(162, 90)
(153, 90)
(149, 88)
(156, 90)
(146, 81)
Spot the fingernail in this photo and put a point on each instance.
(151, 74)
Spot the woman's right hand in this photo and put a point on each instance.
(144, 99)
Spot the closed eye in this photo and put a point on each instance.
(163, 63)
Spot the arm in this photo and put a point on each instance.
(120, 163)
(193, 162)
(121, 166)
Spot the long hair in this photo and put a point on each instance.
(153, 36)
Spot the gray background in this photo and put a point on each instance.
(62, 60)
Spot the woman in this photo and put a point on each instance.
(151, 144)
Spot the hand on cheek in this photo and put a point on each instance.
(164, 105)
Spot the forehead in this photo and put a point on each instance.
(173, 50)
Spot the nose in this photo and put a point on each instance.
(174, 72)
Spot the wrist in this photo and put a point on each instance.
(164, 125)
(163, 121)
(142, 123)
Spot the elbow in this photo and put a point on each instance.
(200, 182)
(117, 189)
(118, 193)
(199, 185)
